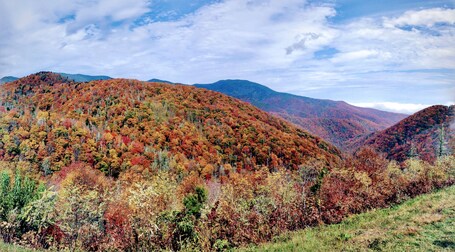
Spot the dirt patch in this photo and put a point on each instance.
(407, 230)
(369, 235)
(428, 218)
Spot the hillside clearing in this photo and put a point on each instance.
(425, 223)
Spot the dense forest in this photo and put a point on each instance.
(427, 135)
(335, 121)
(125, 165)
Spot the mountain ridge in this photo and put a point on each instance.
(7, 79)
(426, 134)
(144, 119)
(336, 121)
(85, 77)
(161, 81)
(74, 77)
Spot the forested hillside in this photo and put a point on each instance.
(125, 165)
(52, 122)
(426, 135)
(334, 121)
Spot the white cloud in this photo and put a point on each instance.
(397, 48)
(104, 12)
(268, 41)
(428, 17)
(355, 55)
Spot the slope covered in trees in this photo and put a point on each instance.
(125, 165)
(426, 134)
(74, 77)
(52, 122)
(334, 121)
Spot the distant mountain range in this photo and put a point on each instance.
(338, 122)
(160, 81)
(425, 134)
(81, 78)
(346, 126)
(84, 78)
(7, 79)
(74, 77)
(335, 121)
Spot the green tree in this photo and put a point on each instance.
(185, 235)
(16, 195)
(80, 214)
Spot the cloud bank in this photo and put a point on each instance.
(290, 45)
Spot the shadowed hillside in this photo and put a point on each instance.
(426, 134)
(335, 121)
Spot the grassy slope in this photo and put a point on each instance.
(425, 223)
(12, 248)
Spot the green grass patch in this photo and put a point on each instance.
(425, 223)
(4, 247)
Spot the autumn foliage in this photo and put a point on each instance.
(125, 126)
(426, 134)
(124, 165)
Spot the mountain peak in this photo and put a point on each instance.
(160, 81)
(239, 83)
(239, 89)
(335, 121)
(186, 121)
(65, 76)
(44, 77)
(7, 79)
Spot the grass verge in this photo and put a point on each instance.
(13, 248)
(425, 223)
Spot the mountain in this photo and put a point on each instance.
(84, 78)
(7, 79)
(51, 122)
(128, 165)
(334, 121)
(161, 81)
(74, 77)
(426, 134)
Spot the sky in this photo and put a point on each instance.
(395, 55)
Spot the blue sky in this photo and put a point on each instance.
(392, 55)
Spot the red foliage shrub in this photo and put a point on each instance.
(118, 231)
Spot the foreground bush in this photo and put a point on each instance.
(81, 209)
